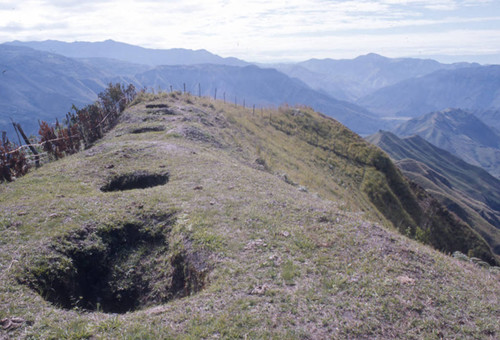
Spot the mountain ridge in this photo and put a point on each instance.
(469, 88)
(37, 85)
(459, 132)
(259, 86)
(467, 190)
(262, 225)
(250, 86)
(130, 53)
(352, 79)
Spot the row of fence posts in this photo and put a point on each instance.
(20, 133)
(224, 98)
(215, 95)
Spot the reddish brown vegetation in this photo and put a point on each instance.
(83, 127)
(13, 162)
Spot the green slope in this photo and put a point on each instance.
(234, 225)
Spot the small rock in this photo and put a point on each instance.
(259, 290)
(21, 213)
(403, 279)
(255, 243)
(302, 189)
(284, 233)
(54, 215)
(110, 166)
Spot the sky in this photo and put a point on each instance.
(269, 31)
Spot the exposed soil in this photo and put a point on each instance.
(148, 129)
(135, 180)
(159, 109)
(116, 269)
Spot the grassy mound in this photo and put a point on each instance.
(275, 235)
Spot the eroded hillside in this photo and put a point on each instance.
(199, 219)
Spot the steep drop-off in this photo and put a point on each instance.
(467, 190)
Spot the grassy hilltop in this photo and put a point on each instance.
(198, 219)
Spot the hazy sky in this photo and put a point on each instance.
(265, 30)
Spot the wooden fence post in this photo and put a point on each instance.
(17, 133)
(28, 143)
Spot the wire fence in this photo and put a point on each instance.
(81, 129)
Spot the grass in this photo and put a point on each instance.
(280, 262)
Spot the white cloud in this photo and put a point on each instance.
(446, 5)
(258, 29)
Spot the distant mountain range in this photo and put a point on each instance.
(253, 85)
(40, 85)
(129, 53)
(469, 191)
(489, 117)
(367, 93)
(352, 79)
(47, 84)
(475, 87)
(461, 133)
